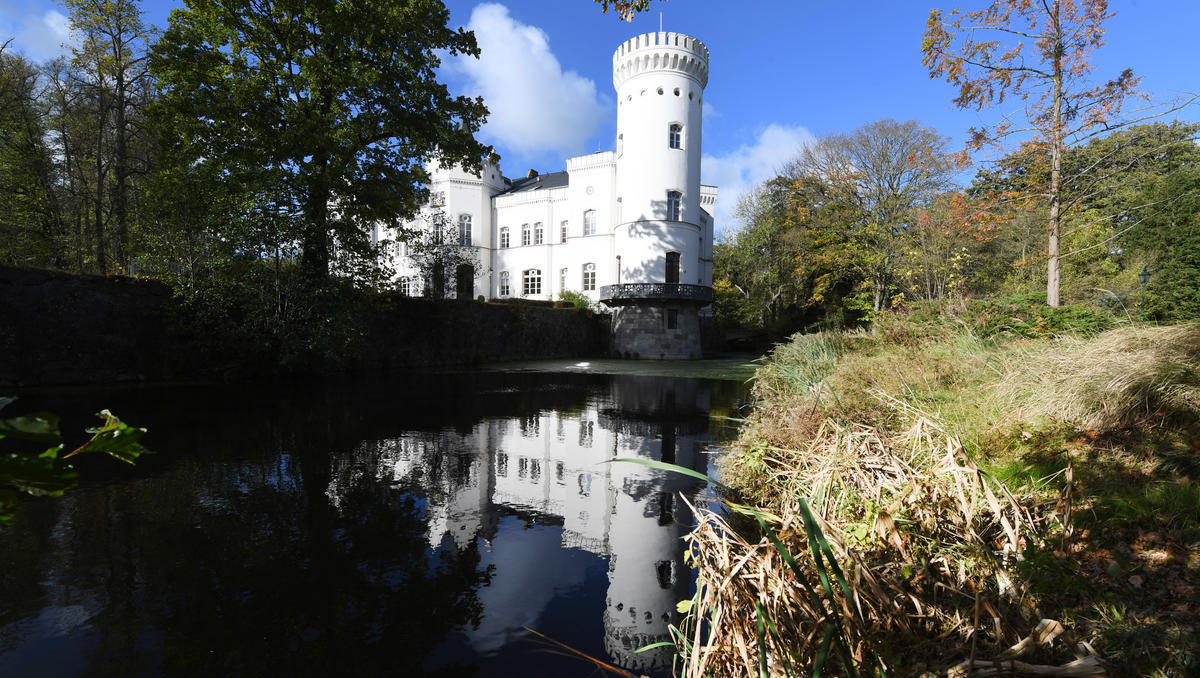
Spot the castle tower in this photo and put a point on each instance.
(662, 239)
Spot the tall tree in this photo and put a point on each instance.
(29, 216)
(111, 63)
(337, 101)
(878, 177)
(1039, 52)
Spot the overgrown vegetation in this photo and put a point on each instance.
(1016, 491)
(26, 467)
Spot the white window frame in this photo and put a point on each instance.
(589, 222)
(539, 233)
(562, 280)
(531, 282)
(675, 135)
(562, 233)
(504, 284)
(589, 277)
(464, 229)
(526, 233)
(504, 237)
(674, 205)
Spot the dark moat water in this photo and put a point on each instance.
(401, 527)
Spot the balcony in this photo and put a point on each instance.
(630, 293)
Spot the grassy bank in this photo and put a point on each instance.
(959, 487)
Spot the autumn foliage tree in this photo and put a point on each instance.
(1039, 53)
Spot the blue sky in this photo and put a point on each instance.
(780, 72)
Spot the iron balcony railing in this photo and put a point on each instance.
(634, 291)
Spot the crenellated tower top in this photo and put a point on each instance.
(662, 51)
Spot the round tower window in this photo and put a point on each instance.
(676, 91)
(691, 95)
(660, 90)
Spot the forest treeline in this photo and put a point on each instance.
(243, 154)
(874, 219)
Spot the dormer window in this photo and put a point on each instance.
(675, 135)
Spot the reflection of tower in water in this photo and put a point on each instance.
(646, 572)
(552, 465)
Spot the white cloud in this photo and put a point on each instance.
(750, 164)
(38, 34)
(535, 107)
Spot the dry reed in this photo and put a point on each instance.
(924, 540)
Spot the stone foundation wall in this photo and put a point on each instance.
(640, 331)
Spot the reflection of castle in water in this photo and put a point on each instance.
(550, 466)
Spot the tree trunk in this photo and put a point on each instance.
(1056, 142)
(314, 256)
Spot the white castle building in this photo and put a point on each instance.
(631, 228)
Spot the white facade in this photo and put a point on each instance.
(624, 213)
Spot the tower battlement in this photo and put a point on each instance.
(662, 51)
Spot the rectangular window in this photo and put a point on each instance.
(532, 282)
(562, 237)
(562, 280)
(539, 234)
(589, 222)
(437, 198)
(675, 136)
(504, 283)
(501, 464)
(673, 200)
(672, 318)
(525, 233)
(504, 236)
(464, 229)
(589, 277)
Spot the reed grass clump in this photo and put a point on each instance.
(873, 545)
(1120, 379)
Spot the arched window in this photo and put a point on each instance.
(504, 283)
(589, 222)
(464, 229)
(675, 135)
(672, 267)
(562, 228)
(531, 282)
(589, 277)
(674, 198)
(562, 280)
(503, 236)
(539, 234)
(525, 234)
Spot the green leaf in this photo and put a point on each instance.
(41, 427)
(663, 466)
(652, 646)
(36, 474)
(114, 438)
(8, 506)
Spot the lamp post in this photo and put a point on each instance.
(1144, 277)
